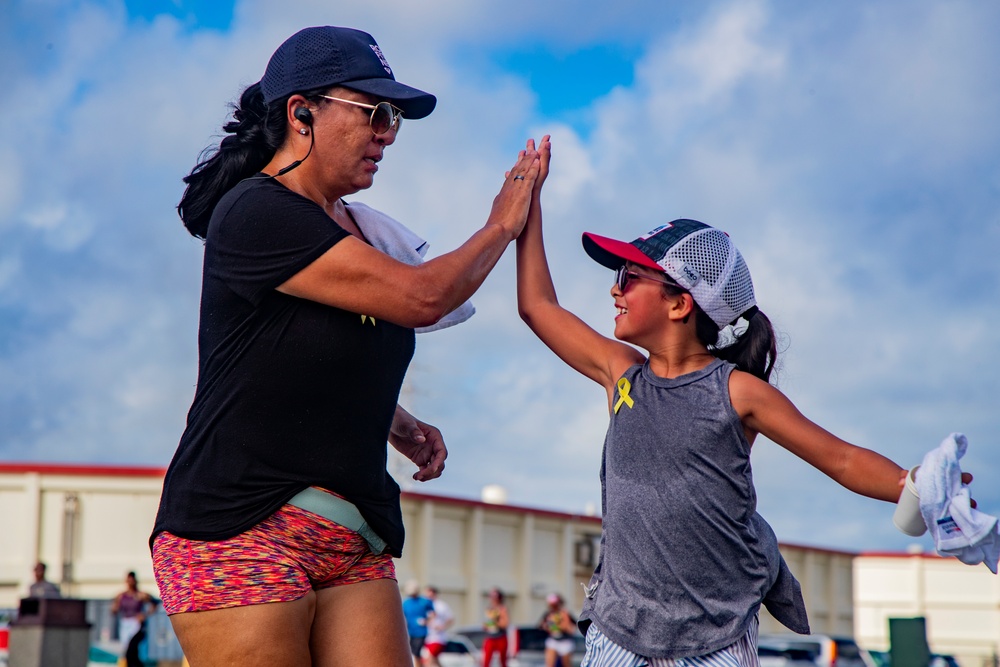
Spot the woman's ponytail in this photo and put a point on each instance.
(755, 350)
(256, 132)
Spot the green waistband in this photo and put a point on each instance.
(340, 511)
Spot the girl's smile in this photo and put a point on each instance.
(640, 306)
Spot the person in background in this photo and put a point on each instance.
(560, 625)
(497, 621)
(437, 627)
(42, 587)
(417, 610)
(132, 607)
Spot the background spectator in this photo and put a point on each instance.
(42, 588)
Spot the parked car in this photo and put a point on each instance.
(943, 660)
(4, 642)
(879, 658)
(790, 650)
(525, 645)
(772, 656)
(460, 652)
(884, 659)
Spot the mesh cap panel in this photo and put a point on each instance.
(707, 264)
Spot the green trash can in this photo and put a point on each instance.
(908, 642)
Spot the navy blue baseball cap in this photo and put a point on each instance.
(326, 56)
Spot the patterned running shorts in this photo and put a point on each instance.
(279, 560)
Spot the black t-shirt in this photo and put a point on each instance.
(291, 393)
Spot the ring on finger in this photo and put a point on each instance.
(519, 177)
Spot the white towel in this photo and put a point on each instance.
(957, 528)
(394, 239)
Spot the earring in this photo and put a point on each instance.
(303, 131)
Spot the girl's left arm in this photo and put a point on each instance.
(765, 410)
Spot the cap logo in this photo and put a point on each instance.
(690, 274)
(649, 235)
(378, 52)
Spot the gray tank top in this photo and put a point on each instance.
(686, 561)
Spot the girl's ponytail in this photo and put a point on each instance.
(255, 136)
(753, 351)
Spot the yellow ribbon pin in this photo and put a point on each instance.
(624, 386)
(364, 318)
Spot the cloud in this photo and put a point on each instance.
(849, 151)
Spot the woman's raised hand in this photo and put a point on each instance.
(510, 206)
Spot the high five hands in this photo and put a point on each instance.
(523, 183)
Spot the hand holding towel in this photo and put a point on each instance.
(957, 528)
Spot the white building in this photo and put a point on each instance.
(88, 524)
(961, 603)
(91, 524)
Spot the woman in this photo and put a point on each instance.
(495, 625)
(560, 626)
(278, 522)
(132, 607)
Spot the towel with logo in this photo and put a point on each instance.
(958, 529)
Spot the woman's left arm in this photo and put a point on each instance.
(419, 442)
(504, 620)
(566, 623)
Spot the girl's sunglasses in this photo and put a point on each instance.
(384, 116)
(623, 276)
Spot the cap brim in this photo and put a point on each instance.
(613, 254)
(415, 103)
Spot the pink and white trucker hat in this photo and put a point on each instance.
(700, 258)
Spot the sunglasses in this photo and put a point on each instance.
(384, 116)
(623, 276)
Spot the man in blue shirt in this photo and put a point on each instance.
(417, 610)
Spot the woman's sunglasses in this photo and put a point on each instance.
(623, 276)
(384, 116)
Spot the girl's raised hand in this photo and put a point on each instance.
(544, 155)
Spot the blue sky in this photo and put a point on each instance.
(194, 16)
(850, 149)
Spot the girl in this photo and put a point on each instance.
(686, 561)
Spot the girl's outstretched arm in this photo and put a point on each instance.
(599, 358)
(765, 410)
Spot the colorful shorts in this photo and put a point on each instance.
(279, 560)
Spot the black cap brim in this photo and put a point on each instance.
(414, 103)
